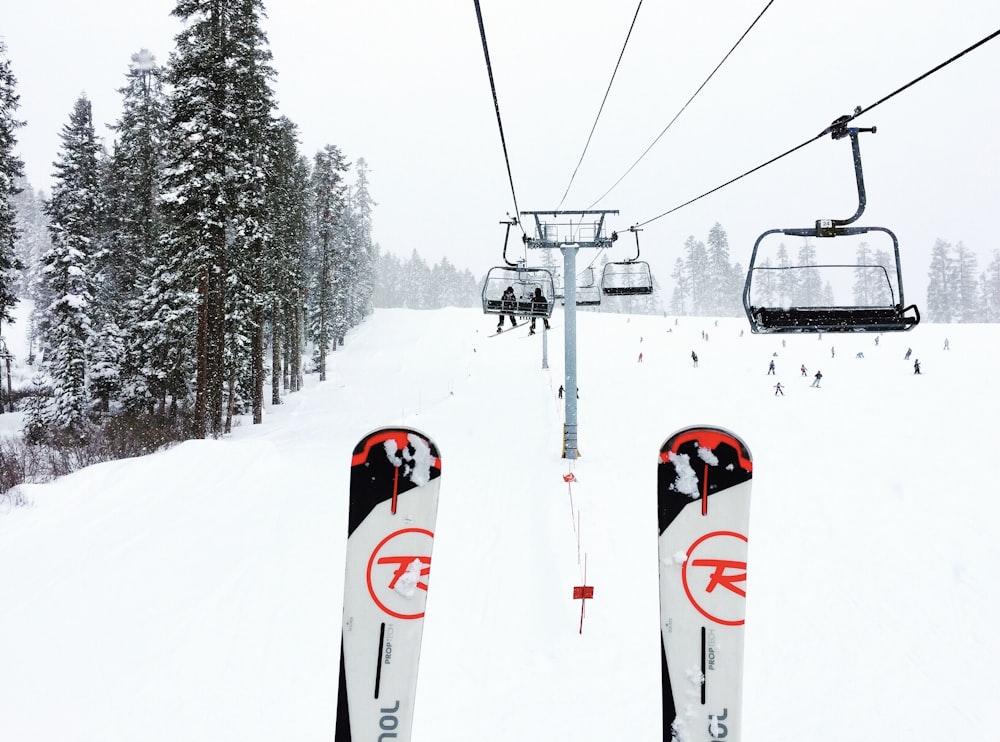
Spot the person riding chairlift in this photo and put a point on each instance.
(508, 302)
(539, 306)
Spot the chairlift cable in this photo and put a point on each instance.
(684, 107)
(601, 109)
(929, 72)
(857, 112)
(496, 105)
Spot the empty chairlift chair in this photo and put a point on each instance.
(588, 291)
(630, 277)
(884, 311)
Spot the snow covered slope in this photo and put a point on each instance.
(196, 594)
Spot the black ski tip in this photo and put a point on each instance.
(398, 434)
(715, 460)
(708, 436)
(386, 463)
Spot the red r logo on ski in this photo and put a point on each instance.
(402, 554)
(404, 563)
(714, 576)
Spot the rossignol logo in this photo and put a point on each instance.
(714, 576)
(388, 722)
(716, 729)
(398, 570)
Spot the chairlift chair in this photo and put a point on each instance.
(889, 315)
(560, 285)
(588, 291)
(630, 277)
(523, 280)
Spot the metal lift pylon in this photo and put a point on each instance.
(569, 236)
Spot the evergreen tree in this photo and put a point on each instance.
(809, 291)
(966, 267)
(134, 247)
(11, 169)
(328, 280)
(940, 288)
(287, 207)
(416, 281)
(251, 146)
(388, 281)
(219, 117)
(722, 291)
(362, 209)
(765, 285)
(33, 241)
(682, 288)
(865, 279)
(697, 272)
(990, 289)
(788, 280)
(74, 221)
(738, 278)
(886, 288)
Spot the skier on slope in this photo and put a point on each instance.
(770, 369)
(817, 378)
(778, 389)
(803, 369)
(694, 357)
(916, 366)
(508, 302)
(907, 356)
(539, 306)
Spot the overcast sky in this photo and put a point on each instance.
(404, 85)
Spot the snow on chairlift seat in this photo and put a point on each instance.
(524, 281)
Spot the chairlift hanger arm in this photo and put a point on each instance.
(635, 231)
(838, 130)
(510, 222)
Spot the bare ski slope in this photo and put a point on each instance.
(196, 594)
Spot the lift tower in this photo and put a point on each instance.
(569, 231)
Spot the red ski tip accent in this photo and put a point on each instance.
(710, 439)
(401, 439)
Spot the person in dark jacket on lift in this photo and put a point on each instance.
(508, 302)
(539, 307)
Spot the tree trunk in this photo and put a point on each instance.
(231, 402)
(199, 423)
(257, 349)
(277, 373)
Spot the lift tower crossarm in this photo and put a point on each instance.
(543, 236)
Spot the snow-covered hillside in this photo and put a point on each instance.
(196, 594)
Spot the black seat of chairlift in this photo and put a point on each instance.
(833, 319)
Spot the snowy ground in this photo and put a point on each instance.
(196, 594)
